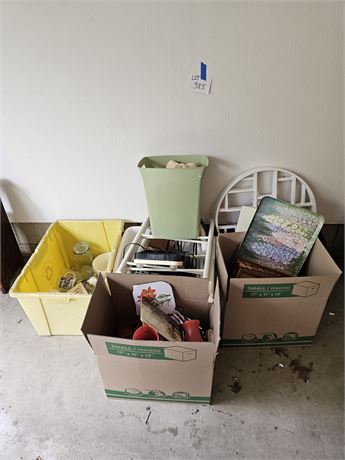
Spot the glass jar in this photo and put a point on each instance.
(86, 272)
(81, 254)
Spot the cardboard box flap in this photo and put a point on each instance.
(328, 266)
(100, 316)
(229, 244)
(189, 293)
(221, 270)
(215, 318)
(226, 249)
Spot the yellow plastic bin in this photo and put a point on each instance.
(56, 313)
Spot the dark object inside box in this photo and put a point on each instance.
(11, 257)
(245, 269)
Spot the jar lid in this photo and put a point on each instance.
(81, 248)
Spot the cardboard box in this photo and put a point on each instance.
(157, 370)
(266, 312)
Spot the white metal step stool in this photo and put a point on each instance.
(205, 256)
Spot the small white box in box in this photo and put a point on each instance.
(180, 353)
(305, 289)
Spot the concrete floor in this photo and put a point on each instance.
(53, 405)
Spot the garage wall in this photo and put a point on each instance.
(90, 88)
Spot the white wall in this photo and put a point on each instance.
(90, 88)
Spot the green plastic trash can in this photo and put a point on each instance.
(173, 195)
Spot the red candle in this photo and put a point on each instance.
(192, 331)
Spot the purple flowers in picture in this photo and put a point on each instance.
(280, 236)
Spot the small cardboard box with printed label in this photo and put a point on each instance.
(156, 370)
(261, 312)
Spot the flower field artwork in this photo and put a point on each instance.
(280, 236)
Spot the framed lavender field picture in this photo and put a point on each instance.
(280, 237)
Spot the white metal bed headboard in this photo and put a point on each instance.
(250, 187)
